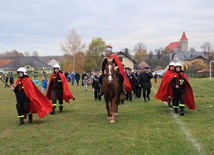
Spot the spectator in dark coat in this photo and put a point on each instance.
(6, 81)
(96, 85)
(146, 83)
(77, 77)
(155, 76)
(66, 74)
(131, 80)
(11, 79)
(137, 82)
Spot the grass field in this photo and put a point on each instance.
(140, 128)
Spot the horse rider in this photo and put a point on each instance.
(125, 84)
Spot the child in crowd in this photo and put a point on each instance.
(36, 81)
(85, 82)
(44, 84)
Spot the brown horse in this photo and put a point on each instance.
(111, 89)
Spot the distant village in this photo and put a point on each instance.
(196, 64)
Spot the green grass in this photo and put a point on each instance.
(140, 128)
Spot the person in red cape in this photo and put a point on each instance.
(167, 97)
(182, 90)
(29, 98)
(126, 86)
(58, 89)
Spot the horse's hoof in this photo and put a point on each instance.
(108, 118)
(112, 121)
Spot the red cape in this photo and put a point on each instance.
(38, 102)
(121, 70)
(67, 94)
(188, 96)
(167, 92)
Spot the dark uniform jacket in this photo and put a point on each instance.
(145, 80)
(77, 76)
(176, 80)
(95, 83)
(137, 79)
(131, 79)
(20, 93)
(56, 82)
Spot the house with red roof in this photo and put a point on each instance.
(180, 46)
(31, 64)
(4, 62)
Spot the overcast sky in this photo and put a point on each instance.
(42, 25)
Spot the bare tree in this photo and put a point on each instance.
(11, 54)
(35, 54)
(72, 45)
(192, 49)
(206, 47)
(140, 52)
(140, 46)
(26, 53)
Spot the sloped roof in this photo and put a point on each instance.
(23, 61)
(143, 64)
(4, 62)
(183, 37)
(190, 55)
(173, 45)
(47, 59)
(120, 52)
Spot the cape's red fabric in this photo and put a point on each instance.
(67, 94)
(38, 102)
(121, 70)
(167, 92)
(188, 96)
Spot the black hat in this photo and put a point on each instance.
(146, 67)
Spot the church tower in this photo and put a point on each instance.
(183, 43)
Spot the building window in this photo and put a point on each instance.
(121, 59)
(27, 67)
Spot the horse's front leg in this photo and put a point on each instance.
(113, 108)
(108, 110)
